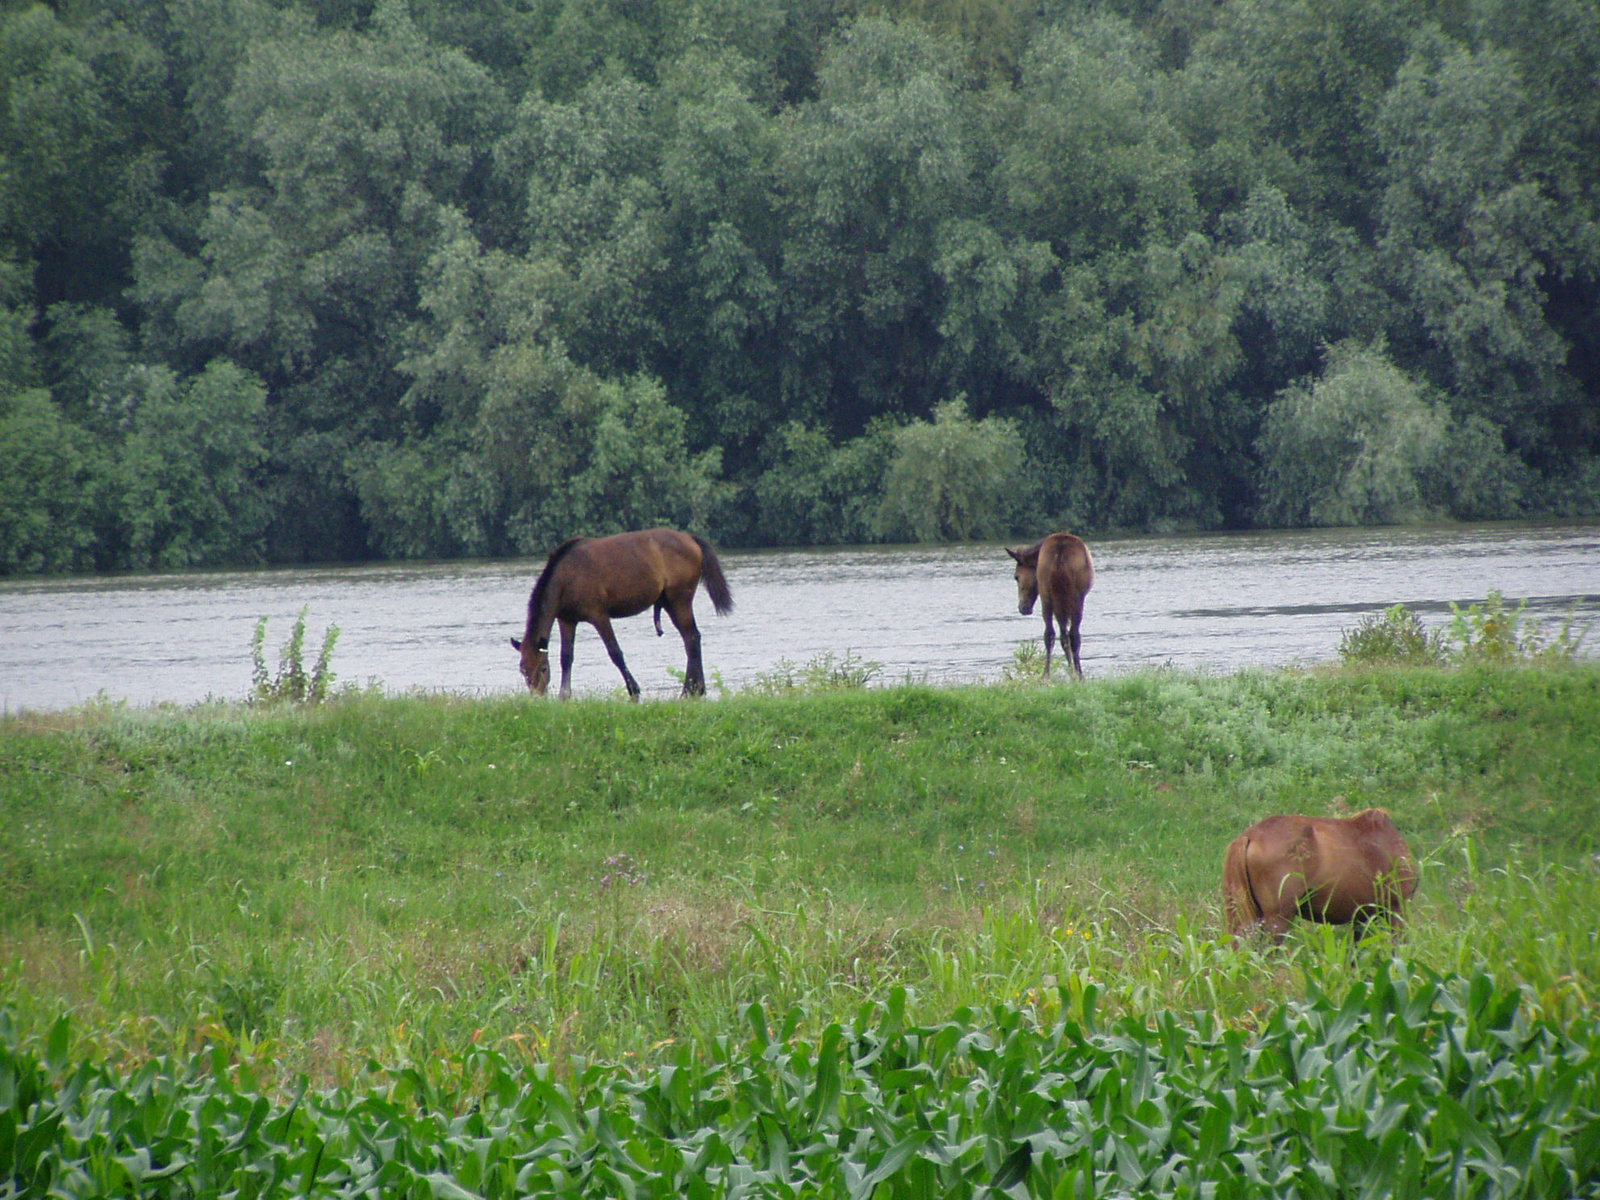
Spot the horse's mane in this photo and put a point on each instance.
(536, 597)
(1030, 556)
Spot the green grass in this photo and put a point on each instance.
(891, 942)
(312, 886)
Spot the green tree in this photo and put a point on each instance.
(638, 470)
(1352, 446)
(18, 362)
(307, 272)
(1129, 337)
(815, 493)
(1094, 165)
(47, 468)
(85, 134)
(868, 174)
(1470, 232)
(719, 285)
(87, 354)
(953, 478)
(589, 172)
(187, 476)
(1315, 73)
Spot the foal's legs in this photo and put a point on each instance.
(1049, 636)
(602, 626)
(1072, 639)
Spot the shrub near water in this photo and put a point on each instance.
(1397, 635)
(1486, 633)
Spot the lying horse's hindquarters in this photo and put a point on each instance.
(1342, 871)
(596, 579)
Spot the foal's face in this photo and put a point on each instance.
(1027, 588)
(535, 666)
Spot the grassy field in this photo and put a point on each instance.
(312, 887)
(896, 942)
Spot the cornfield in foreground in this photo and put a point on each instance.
(1410, 1085)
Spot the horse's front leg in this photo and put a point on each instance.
(603, 628)
(1049, 640)
(569, 634)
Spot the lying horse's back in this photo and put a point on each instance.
(1338, 870)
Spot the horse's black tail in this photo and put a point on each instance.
(716, 582)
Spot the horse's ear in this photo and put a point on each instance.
(516, 643)
(1013, 554)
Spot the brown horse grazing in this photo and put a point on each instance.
(596, 579)
(1059, 570)
(1342, 871)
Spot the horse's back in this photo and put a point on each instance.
(1066, 567)
(1338, 865)
(622, 574)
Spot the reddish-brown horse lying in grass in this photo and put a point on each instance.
(596, 579)
(1058, 571)
(1342, 871)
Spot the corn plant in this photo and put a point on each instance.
(1410, 1084)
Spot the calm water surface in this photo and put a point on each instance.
(939, 614)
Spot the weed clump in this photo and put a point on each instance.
(1488, 633)
(1493, 633)
(827, 672)
(293, 684)
(1027, 662)
(1396, 635)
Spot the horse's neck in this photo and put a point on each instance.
(542, 616)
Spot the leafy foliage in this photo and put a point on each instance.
(46, 475)
(1396, 635)
(1412, 1084)
(953, 479)
(827, 672)
(1487, 633)
(1493, 633)
(292, 684)
(1262, 261)
(1351, 447)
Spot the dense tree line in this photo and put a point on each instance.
(287, 280)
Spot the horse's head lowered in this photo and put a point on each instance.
(535, 664)
(1027, 578)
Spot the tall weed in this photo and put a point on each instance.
(1493, 633)
(292, 684)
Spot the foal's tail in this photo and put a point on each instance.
(1238, 897)
(716, 582)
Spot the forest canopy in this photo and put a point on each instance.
(305, 280)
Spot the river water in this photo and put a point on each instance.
(938, 614)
